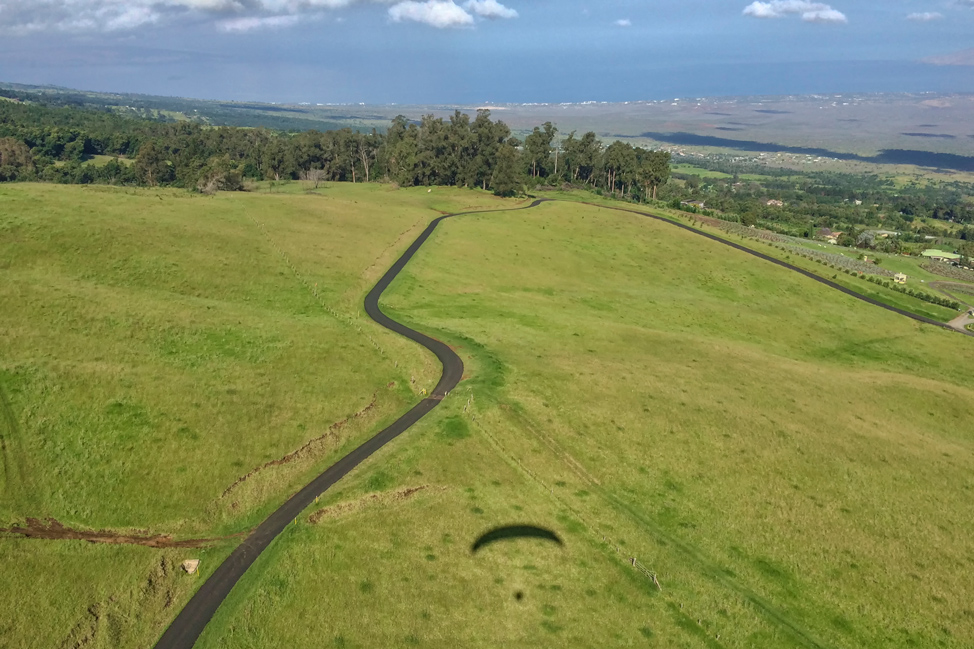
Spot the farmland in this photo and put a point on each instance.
(781, 457)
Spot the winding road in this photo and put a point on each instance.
(189, 624)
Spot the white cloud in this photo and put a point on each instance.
(812, 12)
(489, 9)
(20, 17)
(825, 16)
(925, 16)
(623, 22)
(252, 23)
(437, 13)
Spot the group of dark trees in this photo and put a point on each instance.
(56, 144)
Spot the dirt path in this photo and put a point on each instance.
(960, 322)
(52, 529)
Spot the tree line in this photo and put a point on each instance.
(57, 144)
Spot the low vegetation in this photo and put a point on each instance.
(719, 442)
(739, 431)
(177, 364)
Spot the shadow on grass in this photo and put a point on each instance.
(514, 532)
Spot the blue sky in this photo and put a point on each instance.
(471, 51)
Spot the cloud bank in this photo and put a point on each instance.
(490, 9)
(437, 13)
(810, 12)
(22, 17)
(925, 17)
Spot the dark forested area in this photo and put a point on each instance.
(58, 143)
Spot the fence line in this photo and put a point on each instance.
(592, 528)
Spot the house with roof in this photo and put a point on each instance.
(940, 255)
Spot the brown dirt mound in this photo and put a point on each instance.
(53, 530)
(304, 450)
(372, 499)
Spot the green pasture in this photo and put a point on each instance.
(909, 265)
(163, 352)
(793, 464)
(708, 173)
(102, 160)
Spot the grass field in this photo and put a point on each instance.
(792, 463)
(102, 160)
(160, 347)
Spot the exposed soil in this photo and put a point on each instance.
(372, 499)
(306, 449)
(961, 322)
(52, 530)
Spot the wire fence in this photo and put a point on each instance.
(590, 526)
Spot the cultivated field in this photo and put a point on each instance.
(792, 465)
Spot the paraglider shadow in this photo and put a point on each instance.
(514, 532)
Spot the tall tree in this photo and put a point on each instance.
(505, 180)
(654, 170)
(537, 149)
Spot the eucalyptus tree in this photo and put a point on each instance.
(487, 139)
(620, 166)
(654, 170)
(538, 149)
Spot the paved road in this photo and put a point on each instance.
(189, 624)
(785, 264)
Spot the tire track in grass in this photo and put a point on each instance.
(13, 480)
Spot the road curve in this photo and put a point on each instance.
(189, 624)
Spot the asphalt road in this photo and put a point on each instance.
(785, 264)
(189, 624)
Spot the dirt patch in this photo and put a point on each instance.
(306, 449)
(52, 530)
(363, 503)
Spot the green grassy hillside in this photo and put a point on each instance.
(792, 463)
(174, 364)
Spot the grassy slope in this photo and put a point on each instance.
(158, 347)
(860, 285)
(794, 463)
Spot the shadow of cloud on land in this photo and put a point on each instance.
(886, 156)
